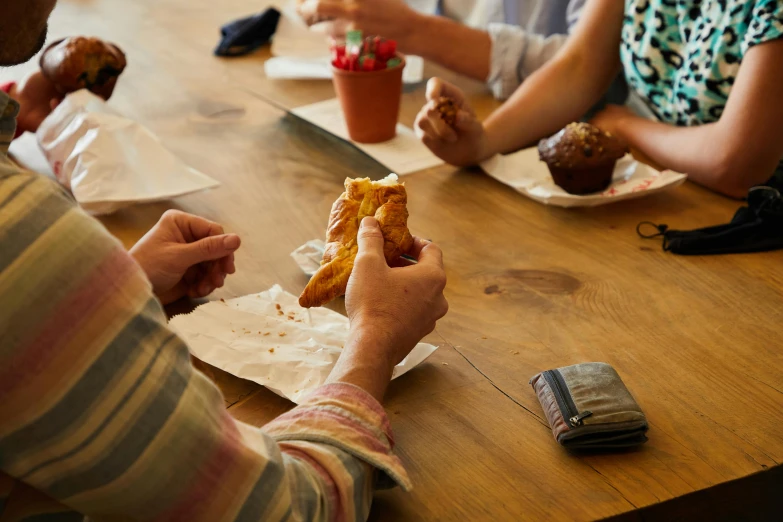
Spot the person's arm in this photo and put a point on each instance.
(448, 43)
(102, 410)
(733, 154)
(556, 94)
(566, 87)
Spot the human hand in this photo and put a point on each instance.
(464, 144)
(390, 309)
(392, 19)
(401, 304)
(37, 97)
(184, 255)
(613, 119)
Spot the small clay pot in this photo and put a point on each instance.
(370, 102)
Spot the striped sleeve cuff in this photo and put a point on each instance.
(8, 111)
(348, 418)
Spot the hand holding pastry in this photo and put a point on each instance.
(390, 309)
(386, 201)
(37, 97)
(448, 126)
(401, 303)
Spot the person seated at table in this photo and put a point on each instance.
(510, 41)
(102, 414)
(711, 73)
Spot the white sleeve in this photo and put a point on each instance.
(516, 54)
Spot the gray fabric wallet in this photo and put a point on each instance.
(588, 406)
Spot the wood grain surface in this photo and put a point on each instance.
(696, 339)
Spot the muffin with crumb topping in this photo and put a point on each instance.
(581, 157)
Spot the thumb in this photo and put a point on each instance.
(370, 237)
(434, 88)
(210, 248)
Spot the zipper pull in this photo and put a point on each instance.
(576, 420)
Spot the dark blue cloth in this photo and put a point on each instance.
(245, 35)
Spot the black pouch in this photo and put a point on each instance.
(245, 35)
(757, 227)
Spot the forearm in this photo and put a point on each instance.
(557, 94)
(707, 153)
(457, 47)
(360, 365)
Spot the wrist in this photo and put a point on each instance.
(365, 362)
(372, 340)
(487, 144)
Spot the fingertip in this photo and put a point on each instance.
(231, 242)
(434, 88)
(369, 222)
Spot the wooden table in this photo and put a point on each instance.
(697, 339)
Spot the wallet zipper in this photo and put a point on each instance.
(567, 407)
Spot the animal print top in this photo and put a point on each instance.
(682, 56)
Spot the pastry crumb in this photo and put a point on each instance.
(281, 334)
(266, 333)
(271, 350)
(277, 305)
(222, 300)
(445, 364)
(483, 337)
(233, 331)
(280, 312)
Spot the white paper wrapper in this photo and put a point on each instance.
(309, 256)
(290, 351)
(108, 161)
(524, 172)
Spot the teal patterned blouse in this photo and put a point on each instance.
(682, 56)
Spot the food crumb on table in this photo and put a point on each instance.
(271, 350)
(277, 305)
(281, 334)
(266, 333)
(222, 300)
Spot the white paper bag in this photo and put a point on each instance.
(269, 339)
(108, 161)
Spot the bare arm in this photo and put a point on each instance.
(457, 47)
(558, 93)
(566, 87)
(736, 152)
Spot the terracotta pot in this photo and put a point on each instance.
(370, 102)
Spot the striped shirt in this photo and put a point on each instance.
(102, 416)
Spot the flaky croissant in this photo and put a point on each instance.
(80, 62)
(385, 200)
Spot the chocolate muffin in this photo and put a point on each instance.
(581, 157)
(80, 62)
